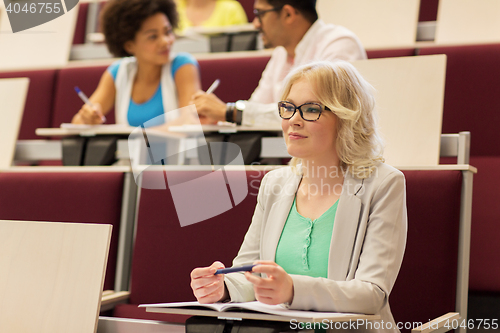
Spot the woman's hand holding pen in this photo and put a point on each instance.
(91, 115)
(207, 287)
(277, 288)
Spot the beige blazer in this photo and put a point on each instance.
(366, 250)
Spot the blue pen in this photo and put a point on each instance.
(86, 100)
(247, 268)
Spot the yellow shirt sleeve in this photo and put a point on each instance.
(226, 12)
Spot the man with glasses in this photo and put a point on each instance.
(299, 37)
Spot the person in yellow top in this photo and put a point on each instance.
(209, 13)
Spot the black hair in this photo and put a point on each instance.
(122, 19)
(306, 7)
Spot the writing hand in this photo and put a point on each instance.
(209, 105)
(91, 115)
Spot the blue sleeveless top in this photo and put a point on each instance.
(139, 113)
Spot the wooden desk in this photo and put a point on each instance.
(45, 46)
(377, 23)
(181, 139)
(465, 22)
(409, 95)
(124, 325)
(51, 275)
(12, 99)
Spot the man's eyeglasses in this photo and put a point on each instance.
(259, 13)
(308, 111)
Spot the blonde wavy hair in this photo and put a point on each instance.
(339, 86)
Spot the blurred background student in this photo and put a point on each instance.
(149, 81)
(293, 28)
(209, 13)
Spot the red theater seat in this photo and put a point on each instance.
(406, 52)
(65, 197)
(248, 7)
(81, 23)
(39, 101)
(426, 285)
(165, 253)
(472, 94)
(428, 10)
(485, 248)
(238, 76)
(66, 101)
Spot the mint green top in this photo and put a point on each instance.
(304, 244)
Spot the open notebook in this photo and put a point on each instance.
(12, 99)
(252, 310)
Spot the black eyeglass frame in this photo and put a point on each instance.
(259, 13)
(321, 108)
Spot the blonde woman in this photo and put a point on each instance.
(328, 232)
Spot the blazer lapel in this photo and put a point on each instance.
(345, 228)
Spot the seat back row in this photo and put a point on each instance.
(164, 252)
(472, 73)
(52, 100)
(428, 12)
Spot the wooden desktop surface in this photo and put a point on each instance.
(51, 276)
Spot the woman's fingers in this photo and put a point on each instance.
(91, 114)
(205, 281)
(276, 288)
(207, 287)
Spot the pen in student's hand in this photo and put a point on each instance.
(247, 268)
(213, 86)
(86, 100)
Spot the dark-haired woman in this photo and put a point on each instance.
(149, 81)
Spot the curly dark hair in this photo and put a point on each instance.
(122, 19)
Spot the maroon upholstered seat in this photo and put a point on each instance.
(81, 23)
(485, 248)
(428, 10)
(39, 101)
(66, 101)
(238, 76)
(472, 94)
(248, 7)
(426, 285)
(405, 52)
(65, 197)
(165, 253)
